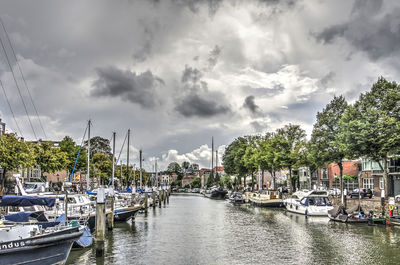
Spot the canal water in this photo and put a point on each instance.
(197, 230)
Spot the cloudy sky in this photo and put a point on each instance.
(179, 72)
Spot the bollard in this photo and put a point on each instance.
(100, 222)
(111, 214)
(159, 198)
(153, 195)
(146, 201)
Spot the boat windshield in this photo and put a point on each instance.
(319, 201)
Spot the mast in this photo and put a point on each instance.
(216, 163)
(156, 173)
(127, 159)
(140, 172)
(88, 158)
(113, 161)
(212, 156)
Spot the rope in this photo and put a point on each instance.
(12, 112)
(80, 148)
(19, 91)
(23, 77)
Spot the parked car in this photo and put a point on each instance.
(334, 191)
(363, 192)
(284, 189)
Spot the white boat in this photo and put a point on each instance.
(309, 203)
(266, 198)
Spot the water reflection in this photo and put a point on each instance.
(196, 230)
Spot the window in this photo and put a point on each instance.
(368, 183)
(381, 185)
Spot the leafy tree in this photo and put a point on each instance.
(371, 127)
(101, 166)
(226, 182)
(290, 138)
(325, 135)
(174, 167)
(99, 145)
(50, 158)
(68, 146)
(196, 182)
(185, 165)
(250, 157)
(14, 154)
(194, 167)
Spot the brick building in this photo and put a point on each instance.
(329, 177)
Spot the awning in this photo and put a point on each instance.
(11, 200)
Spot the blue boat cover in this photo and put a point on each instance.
(11, 200)
(18, 217)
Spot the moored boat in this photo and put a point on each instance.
(266, 198)
(216, 193)
(309, 203)
(236, 198)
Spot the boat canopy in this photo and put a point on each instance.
(12, 200)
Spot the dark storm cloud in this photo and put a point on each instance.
(213, 57)
(368, 30)
(251, 105)
(130, 86)
(325, 80)
(196, 99)
(194, 105)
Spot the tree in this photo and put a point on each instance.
(99, 145)
(194, 167)
(185, 165)
(14, 154)
(250, 157)
(289, 140)
(68, 146)
(174, 167)
(325, 135)
(371, 127)
(101, 166)
(196, 182)
(50, 158)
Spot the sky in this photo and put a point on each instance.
(179, 72)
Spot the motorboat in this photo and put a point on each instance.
(266, 198)
(216, 193)
(309, 203)
(236, 198)
(354, 215)
(29, 244)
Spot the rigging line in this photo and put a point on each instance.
(12, 112)
(121, 148)
(79, 151)
(23, 77)
(19, 91)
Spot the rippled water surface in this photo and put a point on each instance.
(196, 230)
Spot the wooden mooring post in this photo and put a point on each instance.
(168, 196)
(153, 195)
(100, 222)
(110, 216)
(159, 198)
(164, 197)
(146, 201)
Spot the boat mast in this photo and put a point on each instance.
(88, 158)
(127, 159)
(156, 173)
(216, 164)
(212, 157)
(113, 161)
(140, 157)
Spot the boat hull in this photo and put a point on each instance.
(296, 207)
(40, 250)
(121, 215)
(267, 203)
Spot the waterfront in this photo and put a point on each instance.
(196, 230)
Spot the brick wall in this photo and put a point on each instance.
(349, 168)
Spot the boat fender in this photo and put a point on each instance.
(306, 212)
(291, 206)
(297, 207)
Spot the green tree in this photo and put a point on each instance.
(50, 158)
(290, 138)
(101, 166)
(196, 182)
(68, 146)
(14, 154)
(99, 145)
(250, 157)
(371, 127)
(325, 135)
(174, 167)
